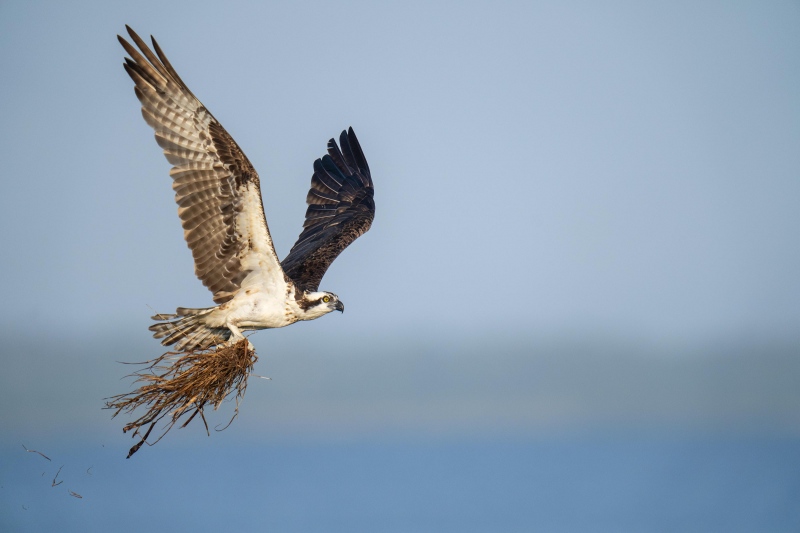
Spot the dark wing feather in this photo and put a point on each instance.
(216, 187)
(340, 209)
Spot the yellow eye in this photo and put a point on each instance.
(326, 299)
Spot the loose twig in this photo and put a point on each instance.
(54, 484)
(34, 451)
(75, 495)
(181, 384)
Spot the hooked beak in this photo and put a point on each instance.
(339, 307)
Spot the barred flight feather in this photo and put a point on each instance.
(210, 173)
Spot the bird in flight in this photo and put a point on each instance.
(219, 203)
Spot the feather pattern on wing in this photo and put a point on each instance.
(340, 209)
(216, 188)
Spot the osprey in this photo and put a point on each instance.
(219, 204)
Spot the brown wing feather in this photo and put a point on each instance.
(214, 182)
(340, 209)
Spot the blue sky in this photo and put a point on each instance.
(628, 167)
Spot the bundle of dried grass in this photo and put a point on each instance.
(182, 385)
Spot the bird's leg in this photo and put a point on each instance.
(237, 335)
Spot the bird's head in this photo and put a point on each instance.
(316, 304)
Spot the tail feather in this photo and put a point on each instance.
(188, 330)
(163, 316)
(204, 337)
(186, 311)
(176, 334)
(191, 339)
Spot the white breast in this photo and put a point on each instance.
(259, 305)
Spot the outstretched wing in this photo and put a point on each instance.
(216, 187)
(340, 209)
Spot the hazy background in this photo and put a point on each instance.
(577, 309)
